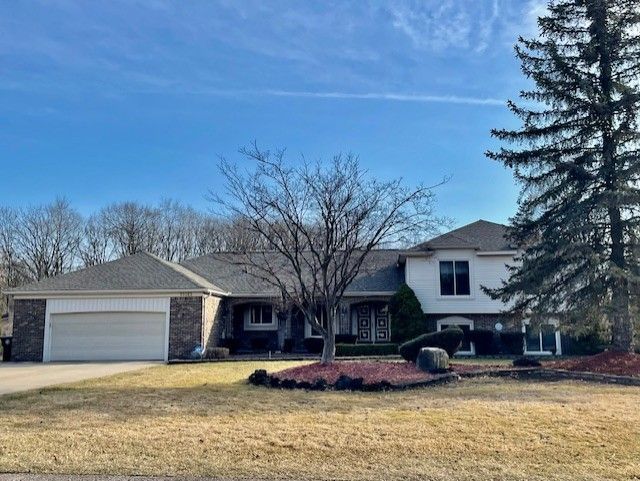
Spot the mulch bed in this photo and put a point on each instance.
(608, 362)
(371, 372)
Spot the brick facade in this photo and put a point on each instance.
(213, 312)
(28, 329)
(185, 325)
(480, 321)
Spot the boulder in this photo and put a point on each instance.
(432, 359)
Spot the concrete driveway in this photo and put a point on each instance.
(16, 377)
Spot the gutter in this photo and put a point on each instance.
(18, 294)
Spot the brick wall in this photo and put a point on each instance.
(28, 329)
(185, 325)
(480, 321)
(212, 321)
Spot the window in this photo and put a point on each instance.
(454, 278)
(466, 325)
(259, 317)
(542, 339)
(321, 317)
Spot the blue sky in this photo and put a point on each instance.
(135, 100)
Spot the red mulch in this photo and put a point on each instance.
(608, 362)
(369, 371)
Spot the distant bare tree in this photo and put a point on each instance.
(132, 227)
(319, 222)
(48, 237)
(96, 246)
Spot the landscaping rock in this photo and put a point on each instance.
(288, 384)
(319, 385)
(343, 383)
(526, 362)
(377, 386)
(432, 359)
(259, 377)
(304, 385)
(274, 382)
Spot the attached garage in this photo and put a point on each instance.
(135, 308)
(112, 329)
(107, 336)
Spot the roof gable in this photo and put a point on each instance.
(481, 235)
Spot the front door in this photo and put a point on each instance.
(372, 321)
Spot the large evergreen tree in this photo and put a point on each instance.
(577, 159)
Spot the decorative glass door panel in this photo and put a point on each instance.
(364, 323)
(372, 320)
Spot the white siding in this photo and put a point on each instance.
(118, 304)
(423, 276)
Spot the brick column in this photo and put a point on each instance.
(28, 329)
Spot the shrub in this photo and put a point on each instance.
(589, 343)
(407, 318)
(448, 339)
(346, 338)
(287, 345)
(231, 344)
(483, 341)
(313, 345)
(512, 342)
(216, 353)
(525, 361)
(259, 343)
(366, 349)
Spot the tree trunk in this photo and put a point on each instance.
(621, 320)
(329, 349)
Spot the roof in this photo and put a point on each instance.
(379, 273)
(137, 272)
(480, 235)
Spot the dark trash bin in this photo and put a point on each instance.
(6, 348)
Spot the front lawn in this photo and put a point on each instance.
(204, 420)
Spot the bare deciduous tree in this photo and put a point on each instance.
(319, 222)
(96, 246)
(131, 226)
(48, 237)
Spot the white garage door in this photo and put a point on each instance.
(107, 336)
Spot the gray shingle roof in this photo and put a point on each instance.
(140, 271)
(481, 235)
(380, 273)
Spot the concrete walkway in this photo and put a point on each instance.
(16, 377)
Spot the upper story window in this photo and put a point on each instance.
(454, 278)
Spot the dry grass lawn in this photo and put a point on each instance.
(204, 420)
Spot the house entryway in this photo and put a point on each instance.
(371, 321)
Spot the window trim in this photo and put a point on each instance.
(249, 326)
(440, 295)
(308, 331)
(459, 321)
(553, 322)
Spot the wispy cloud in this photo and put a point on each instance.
(390, 96)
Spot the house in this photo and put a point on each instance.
(143, 307)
